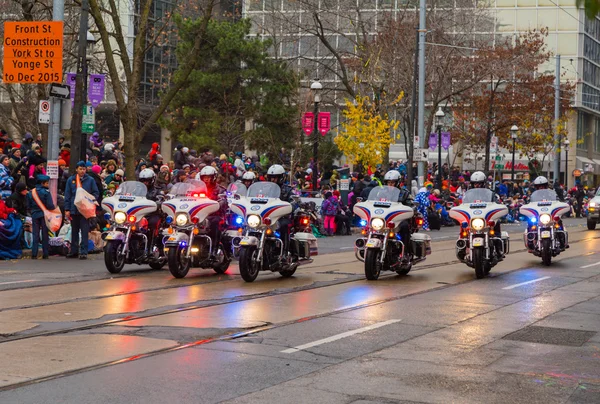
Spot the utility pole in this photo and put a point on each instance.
(77, 144)
(557, 142)
(58, 14)
(421, 125)
(413, 113)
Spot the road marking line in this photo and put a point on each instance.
(526, 283)
(346, 248)
(13, 282)
(590, 265)
(339, 336)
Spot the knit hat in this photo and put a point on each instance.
(164, 167)
(120, 172)
(159, 157)
(80, 164)
(89, 164)
(20, 187)
(28, 136)
(61, 162)
(2, 157)
(96, 169)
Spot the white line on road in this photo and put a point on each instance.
(339, 336)
(13, 282)
(346, 248)
(590, 265)
(526, 283)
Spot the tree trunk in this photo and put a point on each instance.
(130, 126)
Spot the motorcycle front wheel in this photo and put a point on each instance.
(372, 265)
(479, 262)
(222, 266)
(547, 251)
(248, 266)
(113, 259)
(179, 263)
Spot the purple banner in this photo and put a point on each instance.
(71, 78)
(96, 89)
(446, 140)
(433, 141)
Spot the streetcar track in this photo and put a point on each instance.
(247, 332)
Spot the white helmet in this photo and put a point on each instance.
(392, 175)
(208, 174)
(276, 172)
(309, 171)
(540, 182)
(147, 176)
(478, 176)
(185, 150)
(109, 147)
(248, 176)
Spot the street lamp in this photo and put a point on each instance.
(439, 115)
(513, 134)
(316, 87)
(567, 143)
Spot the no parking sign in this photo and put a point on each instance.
(44, 114)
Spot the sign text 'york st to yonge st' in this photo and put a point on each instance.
(33, 52)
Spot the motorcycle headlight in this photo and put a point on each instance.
(377, 224)
(545, 218)
(120, 217)
(477, 224)
(181, 219)
(592, 204)
(253, 221)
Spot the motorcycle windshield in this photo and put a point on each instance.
(544, 195)
(264, 189)
(132, 188)
(189, 188)
(477, 195)
(237, 188)
(384, 194)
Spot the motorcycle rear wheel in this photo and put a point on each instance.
(179, 265)
(372, 265)
(221, 267)
(547, 252)
(248, 268)
(113, 259)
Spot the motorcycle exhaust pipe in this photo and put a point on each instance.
(236, 241)
(461, 244)
(360, 243)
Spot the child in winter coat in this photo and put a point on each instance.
(329, 210)
(37, 215)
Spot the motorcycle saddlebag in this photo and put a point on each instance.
(307, 245)
(421, 244)
(506, 242)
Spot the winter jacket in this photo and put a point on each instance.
(153, 152)
(18, 202)
(45, 197)
(179, 159)
(87, 183)
(6, 180)
(99, 185)
(65, 154)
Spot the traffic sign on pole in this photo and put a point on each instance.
(60, 91)
(33, 52)
(44, 113)
(88, 122)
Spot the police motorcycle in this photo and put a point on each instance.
(129, 239)
(545, 235)
(235, 223)
(261, 247)
(188, 244)
(383, 248)
(478, 244)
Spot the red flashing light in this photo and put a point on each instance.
(391, 225)
(420, 222)
(267, 221)
(131, 219)
(491, 223)
(304, 221)
(556, 219)
(195, 220)
(202, 195)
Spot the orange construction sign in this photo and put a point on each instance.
(33, 52)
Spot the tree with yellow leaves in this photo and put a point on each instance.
(365, 134)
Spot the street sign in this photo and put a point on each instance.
(33, 52)
(345, 185)
(88, 122)
(60, 91)
(420, 154)
(44, 113)
(494, 144)
(498, 158)
(52, 169)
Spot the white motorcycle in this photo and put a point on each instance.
(478, 245)
(261, 247)
(129, 239)
(188, 244)
(383, 248)
(545, 235)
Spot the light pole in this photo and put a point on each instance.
(513, 134)
(439, 115)
(567, 143)
(316, 86)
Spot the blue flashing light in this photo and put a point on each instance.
(363, 223)
(183, 244)
(398, 237)
(169, 220)
(464, 225)
(277, 234)
(533, 220)
(239, 220)
(107, 216)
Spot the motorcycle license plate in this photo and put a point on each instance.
(371, 243)
(477, 242)
(545, 234)
(245, 241)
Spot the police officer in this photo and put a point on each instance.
(148, 178)
(276, 174)
(540, 183)
(392, 179)
(214, 191)
(479, 180)
(248, 178)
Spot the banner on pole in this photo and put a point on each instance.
(96, 89)
(71, 79)
(324, 122)
(446, 140)
(433, 141)
(308, 122)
